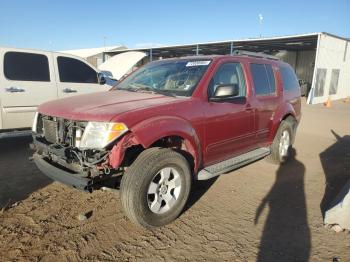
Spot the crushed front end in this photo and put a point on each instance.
(59, 155)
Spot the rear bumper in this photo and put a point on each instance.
(71, 179)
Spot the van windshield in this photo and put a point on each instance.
(176, 77)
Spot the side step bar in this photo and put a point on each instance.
(232, 163)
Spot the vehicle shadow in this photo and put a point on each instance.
(199, 188)
(19, 177)
(286, 234)
(335, 161)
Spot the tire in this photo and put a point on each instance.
(277, 155)
(143, 185)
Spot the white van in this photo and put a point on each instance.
(29, 78)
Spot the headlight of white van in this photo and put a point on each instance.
(99, 134)
(35, 123)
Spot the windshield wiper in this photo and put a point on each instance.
(146, 89)
(153, 91)
(163, 92)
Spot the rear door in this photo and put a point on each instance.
(266, 99)
(26, 81)
(76, 76)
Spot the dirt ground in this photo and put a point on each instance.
(258, 213)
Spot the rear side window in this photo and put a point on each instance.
(22, 66)
(264, 79)
(74, 71)
(289, 79)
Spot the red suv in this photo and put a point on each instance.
(169, 123)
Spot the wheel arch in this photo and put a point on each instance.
(155, 130)
(170, 132)
(287, 112)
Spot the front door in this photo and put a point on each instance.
(26, 80)
(229, 126)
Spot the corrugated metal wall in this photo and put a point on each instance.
(305, 62)
(332, 79)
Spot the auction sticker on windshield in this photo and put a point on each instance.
(198, 63)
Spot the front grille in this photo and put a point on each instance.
(50, 129)
(56, 130)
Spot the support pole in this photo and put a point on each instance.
(231, 50)
(197, 50)
(151, 55)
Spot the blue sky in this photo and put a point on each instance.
(59, 25)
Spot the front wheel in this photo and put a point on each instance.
(155, 188)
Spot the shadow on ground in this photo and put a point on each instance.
(286, 234)
(336, 165)
(199, 188)
(19, 177)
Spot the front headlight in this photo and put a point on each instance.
(98, 135)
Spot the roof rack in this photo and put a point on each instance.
(254, 54)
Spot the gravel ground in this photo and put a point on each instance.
(258, 213)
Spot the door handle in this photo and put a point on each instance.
(249, 108)
(68, 90)
(13, 89)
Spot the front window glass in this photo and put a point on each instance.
(74, 71)
(228, 74)
(177, 77)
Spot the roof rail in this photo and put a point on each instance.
(254, 54)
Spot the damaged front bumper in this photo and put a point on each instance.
(61, 164)
(65, 177)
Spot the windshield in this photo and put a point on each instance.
(176, 77)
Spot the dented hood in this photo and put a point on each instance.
(102, 106)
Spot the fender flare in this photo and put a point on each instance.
(150, 130)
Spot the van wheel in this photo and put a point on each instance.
(155, 188)
(282, 143)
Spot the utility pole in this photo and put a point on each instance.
(104, 53)
(261, 18)
(104, 42)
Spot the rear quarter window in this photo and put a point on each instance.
(289, 79)
(21, 66)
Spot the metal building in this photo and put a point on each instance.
(93, 55)
(322, 60)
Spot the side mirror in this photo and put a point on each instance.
(225, 92)
(101, 79)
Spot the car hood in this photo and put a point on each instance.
(119, 65)
(102, 106)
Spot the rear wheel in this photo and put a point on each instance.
(282, 142)
(155, 188)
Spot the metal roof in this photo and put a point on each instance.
(87, 52)
(267, 45)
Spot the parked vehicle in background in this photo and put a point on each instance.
(122, 64)
(29, 78)
(168, 123)
(304, 87)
